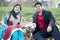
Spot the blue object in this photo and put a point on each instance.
(17, 35)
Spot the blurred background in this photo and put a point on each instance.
(46, 3)
(28, 9)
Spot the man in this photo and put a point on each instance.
(45, 24)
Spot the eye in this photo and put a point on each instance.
(38, 6)
(17, 8)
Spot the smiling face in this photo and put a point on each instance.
(17, 9)
(38, 7)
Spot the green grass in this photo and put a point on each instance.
(27, 12)
(4, 10)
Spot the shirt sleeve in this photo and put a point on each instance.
(2, 30)
(51, 18)
(5, 20)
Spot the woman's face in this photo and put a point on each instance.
(17, 9)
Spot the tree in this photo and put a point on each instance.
(3, 3)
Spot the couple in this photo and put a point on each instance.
(44, 20)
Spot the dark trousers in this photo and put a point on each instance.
(40, 35)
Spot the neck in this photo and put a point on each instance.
(39, 11)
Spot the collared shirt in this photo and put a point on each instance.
(41, 24)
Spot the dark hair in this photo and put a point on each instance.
(13, 12)
(38, 3)
(18, 5)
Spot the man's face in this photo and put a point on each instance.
(38, 7)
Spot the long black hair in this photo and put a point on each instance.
(13, 12)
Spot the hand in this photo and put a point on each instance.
(49, 29)
(33, 26)
(16, 25)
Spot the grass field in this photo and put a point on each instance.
(27, 12)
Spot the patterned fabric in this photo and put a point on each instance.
(14, 20)
(19, 34)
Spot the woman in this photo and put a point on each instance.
(11, 29)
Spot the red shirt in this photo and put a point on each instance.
(41, 24)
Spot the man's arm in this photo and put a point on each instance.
(51, 21)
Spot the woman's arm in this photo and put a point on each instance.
(21, 20)
(4, 21)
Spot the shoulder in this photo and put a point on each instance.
(47, 12)
(34, 14)
(21, 15)
(8, 15)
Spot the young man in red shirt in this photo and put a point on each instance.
(45, 24)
